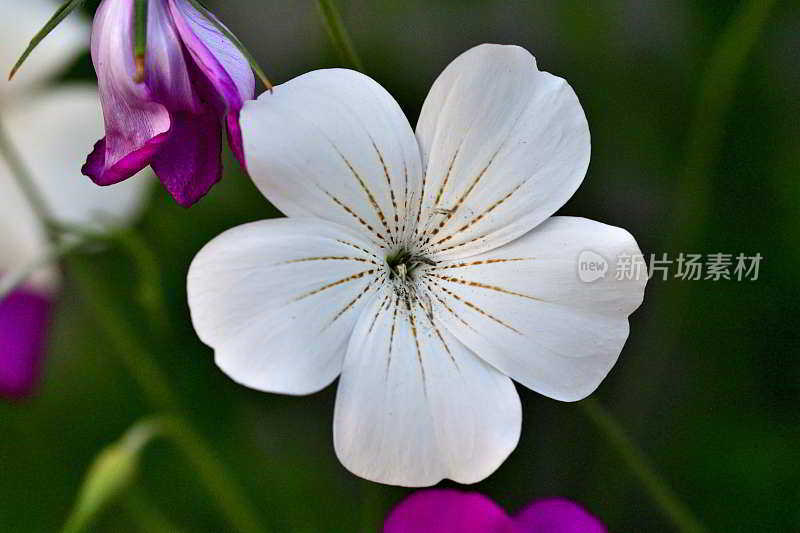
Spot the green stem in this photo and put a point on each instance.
(19, 171)
(150, 284)
(115, 468)
(136, 360)
(140, 40)
(146, 515)
(225, 491)
(338, 34)
(716, 94)
(693, 192)
(231, 499)
(641, 467)
(153, 382)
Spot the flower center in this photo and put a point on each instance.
(404, 264)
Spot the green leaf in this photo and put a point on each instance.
(66, 8)
(236, 42)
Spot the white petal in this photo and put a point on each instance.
(524, 309)
(504, 145)
(52, 132)
(335, 145)
(414, 405)
(21, 20)
(277, 300)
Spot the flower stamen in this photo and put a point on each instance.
(404, 263)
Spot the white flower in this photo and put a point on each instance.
(51, 128)
(423, 270)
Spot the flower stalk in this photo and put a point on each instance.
(717, 89)
(114, 471)
(115, 467)
(146, 514)
(338, 34)
(227, 494)
(101, 487)
(23, 176)
(137, 360)
(140, 40)
(694, 187)
(641, 467)
(154, 384)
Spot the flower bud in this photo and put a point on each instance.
(112, 473)
(166, 90)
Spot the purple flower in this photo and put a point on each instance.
(194, 79)
(24, 317)
(442, 511)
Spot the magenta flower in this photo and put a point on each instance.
(24, 316)
(194, 79)
(444, 511)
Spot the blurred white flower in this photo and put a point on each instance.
(424, 270)
(50, 129)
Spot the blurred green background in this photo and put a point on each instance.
(708, 384)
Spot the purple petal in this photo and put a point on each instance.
(189, 163)
(557, 516)
(24, 319)
(446, 511)
(235, 138)
(218, 58)
(123, 169)
(135, 122)
(221, 62)
(168, 66)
